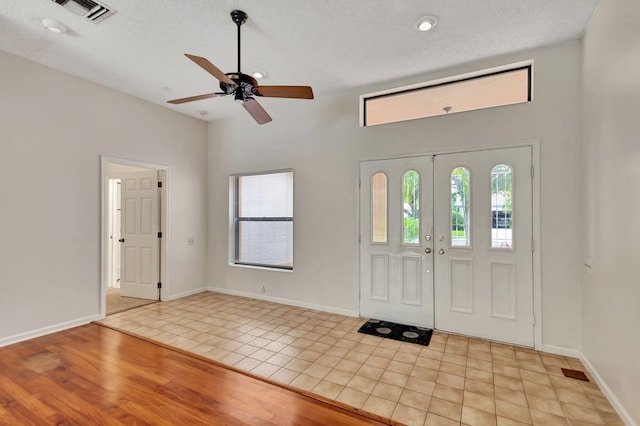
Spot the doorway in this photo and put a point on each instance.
(446, 242)
(132, 223)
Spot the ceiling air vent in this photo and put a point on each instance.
(89, 9)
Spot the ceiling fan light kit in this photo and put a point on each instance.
(244, 87)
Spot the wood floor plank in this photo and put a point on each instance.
(95, 375)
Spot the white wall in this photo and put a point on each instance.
(322, 142)
(611, 199)
(53, 129)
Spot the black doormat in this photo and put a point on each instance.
(403, 333)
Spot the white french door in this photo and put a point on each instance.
(396, 205)
(483, 270)
(470, 271)
(140, 262)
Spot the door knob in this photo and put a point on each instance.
(427, 250)
(441, 251)
(121, 240)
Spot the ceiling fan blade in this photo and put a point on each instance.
(196, 98)
(298, 92)
(211, 69)
(257, 112)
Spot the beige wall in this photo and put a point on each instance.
(53, 129)
(322, 142)
(611, 199)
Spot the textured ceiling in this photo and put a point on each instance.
(328, 44)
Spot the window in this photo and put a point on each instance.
(379, 208)
(261, 213)
(501, 206)
(460, 207)
(486, 89)
(411, 207)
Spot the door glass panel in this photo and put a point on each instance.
(501, 207)
(411, 207)
(379, 208)
(460, 208)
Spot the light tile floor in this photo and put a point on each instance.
(455, 380)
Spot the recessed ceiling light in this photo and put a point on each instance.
(53, 26)
(426, 23)
(256, 73)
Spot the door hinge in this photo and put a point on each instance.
(159, 234)
(159, 184)
(532, 171)
(533, 317)
(533, 246)
(159, 285)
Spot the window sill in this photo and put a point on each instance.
(264, 268)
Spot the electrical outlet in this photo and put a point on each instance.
(191, 241)
(263, 288)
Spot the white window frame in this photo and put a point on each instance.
(234, 222)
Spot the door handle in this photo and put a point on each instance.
(441, 251)
(121, 240)
(427, 250)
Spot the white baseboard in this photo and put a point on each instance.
(183, 294)
(622, 412)
(16, 338)
(562, 350)
(330, 309)
(575, 353)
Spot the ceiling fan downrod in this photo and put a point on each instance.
(239, 17)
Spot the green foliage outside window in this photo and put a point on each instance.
(411, 207)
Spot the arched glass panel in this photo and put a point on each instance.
(460, 207)
(379, 208)
(411, 207)
(501, 207)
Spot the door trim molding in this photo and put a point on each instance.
(537, 279)
(164, 225)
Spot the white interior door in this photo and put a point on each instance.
(396, 281)
(483, 253)
(114, 233)
(139, 274)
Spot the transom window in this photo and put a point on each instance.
(261, 216)
(485, 89)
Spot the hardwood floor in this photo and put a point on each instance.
(96, 375)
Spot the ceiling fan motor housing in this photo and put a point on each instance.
(247, 84)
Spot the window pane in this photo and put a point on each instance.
(411, 207)
(268, 195)
(263, 219)
(379, 208)
(460, 207)
(461, 94)
(501, 207)
(266, 243)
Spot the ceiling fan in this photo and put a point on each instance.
(243, 87)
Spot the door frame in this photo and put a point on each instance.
(104, 228)
(536, 267)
